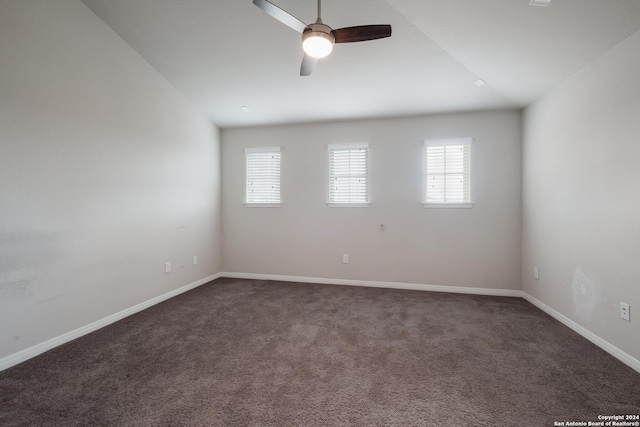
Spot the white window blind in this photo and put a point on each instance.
(263, 176)
(447, 172)
(349, 174)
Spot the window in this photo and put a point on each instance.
(349, 175)
(447, 164)
(263, 177)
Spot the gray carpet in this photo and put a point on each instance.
(258, 353)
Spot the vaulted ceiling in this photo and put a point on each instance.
(226, 54)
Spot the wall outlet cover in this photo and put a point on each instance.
(624, 311)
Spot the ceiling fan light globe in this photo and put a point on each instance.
(317, 44)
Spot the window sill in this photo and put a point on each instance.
(348, 205)
(263, 205)
(447, 205)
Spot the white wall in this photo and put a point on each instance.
(106, 172)
(581, 223)
(478, 247)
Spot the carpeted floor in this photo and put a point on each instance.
(258, 353)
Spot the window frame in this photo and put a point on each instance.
(263, 150)
(443, 142)
(342, 147)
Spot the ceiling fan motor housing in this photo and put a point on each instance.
(317, 40)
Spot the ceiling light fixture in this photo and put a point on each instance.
(317, 40)
(480, 82)
(543, 3)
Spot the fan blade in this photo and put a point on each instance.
(285, 17)
(361, 33)
(308, 64)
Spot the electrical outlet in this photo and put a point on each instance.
(345, 258)
(195, 260)
(167, 267)
(536, 273)
(624, 311)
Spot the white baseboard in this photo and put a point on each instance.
(37, 349)
(605, 345)
(374, 284)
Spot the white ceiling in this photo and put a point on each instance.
(224, 54)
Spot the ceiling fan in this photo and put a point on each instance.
(318, 38)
